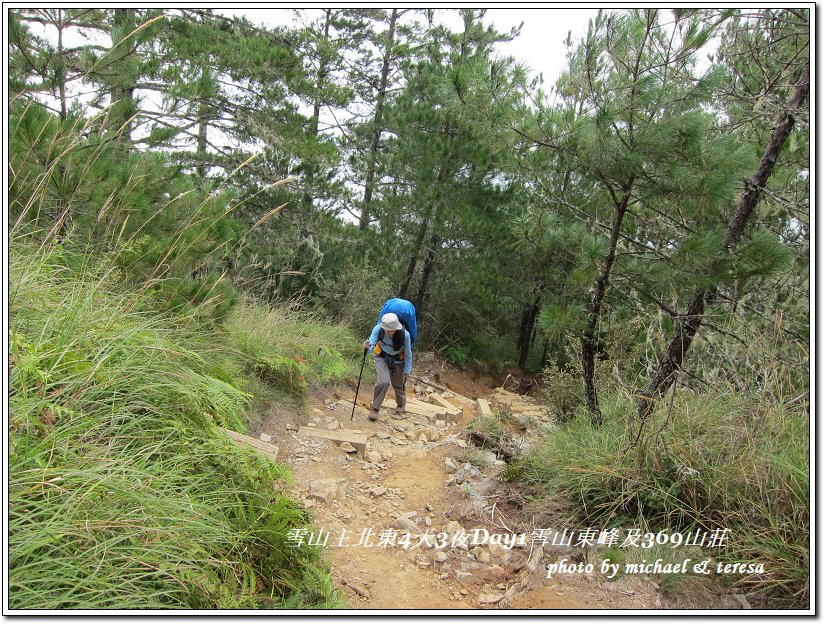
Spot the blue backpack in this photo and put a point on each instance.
(406, 315)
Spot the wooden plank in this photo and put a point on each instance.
(460, 397)
(270, 450)
(433, 407)
(524, 406)
(483, 407)
(412, 408)
(501, 390)
(437, 398)
(344, 410)
(507, 400)
(338, 436)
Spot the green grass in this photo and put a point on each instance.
(123, 494)
(290, 350)
(735, 461)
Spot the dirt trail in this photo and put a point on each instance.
(380, 515)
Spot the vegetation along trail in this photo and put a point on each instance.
(595, 266)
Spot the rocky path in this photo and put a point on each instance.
(415, 520)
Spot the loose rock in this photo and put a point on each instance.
(324, 490)
(347, 447)
(373, 457)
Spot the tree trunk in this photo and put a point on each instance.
(689, 323)
(527, 324)
(321, 76)
(588, 339)
(403, 292)
(202, 136)
(377, 127)
(314, 123)
(544, 354)
(61, 67)
(428, 265)
(124, 19)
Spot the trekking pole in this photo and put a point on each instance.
(355, 402)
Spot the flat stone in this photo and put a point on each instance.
(403, 522)
(347, 448)
(333, 425)
(493, 573)
(463, 576)
(489, 598)
(324, 490)
(381, 435)
(378, 491)
(265, 437)
(373, 457)
(441, 556)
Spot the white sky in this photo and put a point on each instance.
(540, 45)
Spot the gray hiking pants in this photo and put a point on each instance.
(383, 381)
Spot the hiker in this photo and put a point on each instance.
(391, 346)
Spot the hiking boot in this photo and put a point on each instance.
(373, 414)
(400, 409)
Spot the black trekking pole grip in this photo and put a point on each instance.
(355, 402)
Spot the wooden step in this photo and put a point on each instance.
(500, 390)
(339, 436)
(434, 407)
(270, 450)
(439, 400)
(344, 410)
(459, 397)
(433, 413)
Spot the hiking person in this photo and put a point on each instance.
(391, 347)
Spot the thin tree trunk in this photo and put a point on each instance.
(428, 265)
(321, 76)
(526, 333)
(377, 124)
(403, 292)
(588, 339)
(688, 325)
(314, 123)
(61, 67)
(124, 18)
(202, 136)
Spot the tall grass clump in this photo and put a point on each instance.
(123, 493)
(739, 461)
(290, 350)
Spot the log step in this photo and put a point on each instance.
(270, 450)
(483, 407)
(338, 436)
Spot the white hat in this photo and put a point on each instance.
(390, 321)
